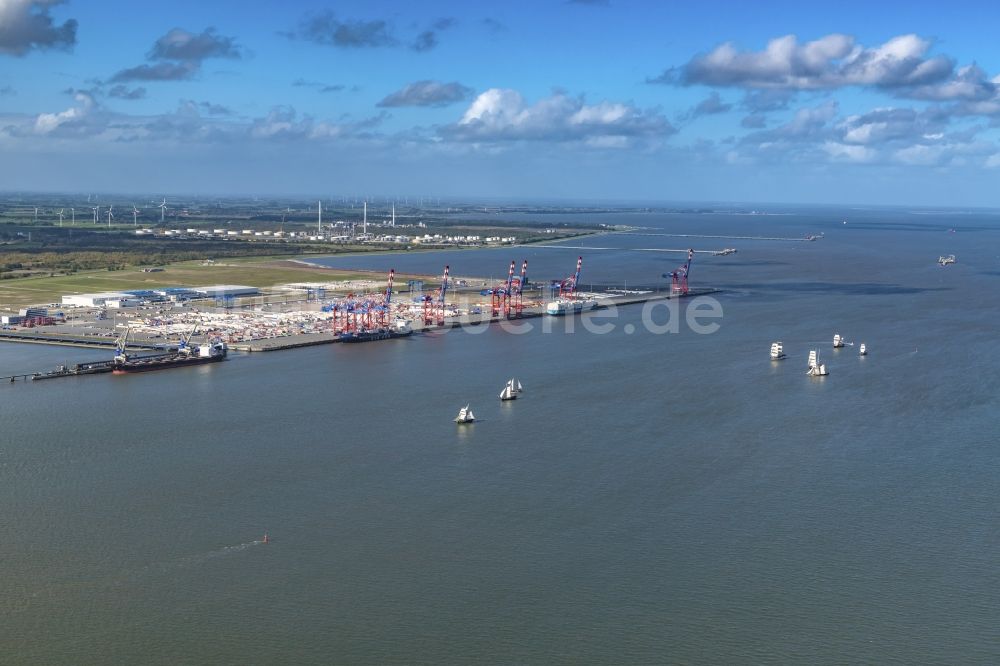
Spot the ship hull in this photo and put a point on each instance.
(151, 363)
(373, 336)
(563, 308)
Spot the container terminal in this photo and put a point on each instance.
(247, 319)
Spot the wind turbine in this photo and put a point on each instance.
(163, 210)
(61, 216)
(96, 209)
(110, 215)
(135, 216)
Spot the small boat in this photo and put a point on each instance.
(777, 351)
(816, 369)
(509, 392)
(838, 341)
(944, 261)
(465, 415)
(862, 350)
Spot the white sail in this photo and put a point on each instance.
(465, 415)
(838, 341)
(516, 385)
(777, 351)
(863, 351)
(816, 369)
(508, 393)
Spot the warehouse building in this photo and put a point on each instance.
(98, 300)
(227, 290)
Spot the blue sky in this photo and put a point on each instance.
(880, 103)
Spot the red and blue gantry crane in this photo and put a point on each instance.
(518, 287)
(569, 286)
(506, 297)
(434, 307)
(679, 277)
(500, 295)
(363, 313)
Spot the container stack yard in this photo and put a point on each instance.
(294, 315)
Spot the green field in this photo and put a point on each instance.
(252, 272)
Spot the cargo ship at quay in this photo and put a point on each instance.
(352, 319)
(400, 329)
(209, 352)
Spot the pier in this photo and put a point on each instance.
(10, 379)
(634, 296)
(628, 249)
(804, 239)
(612, 298)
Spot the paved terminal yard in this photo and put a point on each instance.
(269, 323)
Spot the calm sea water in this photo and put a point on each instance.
(670, 498)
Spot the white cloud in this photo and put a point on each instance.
(944, 153)
(849, 153)
(808, 124)
(427, 93)
(919, 154)
(47, 123)
(889, 124)
(832, 61)
(504, 115)
(179, 55)
(969, 83)
(27, 25)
